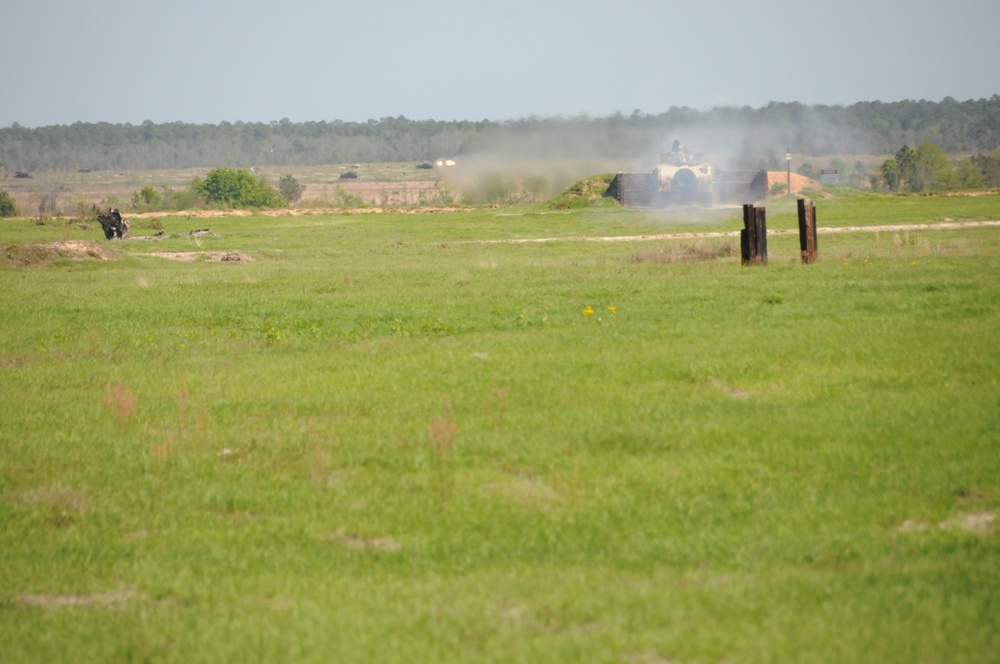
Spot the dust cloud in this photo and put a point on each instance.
(537, 158)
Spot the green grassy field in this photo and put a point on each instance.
(389, 439)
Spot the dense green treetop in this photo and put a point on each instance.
(236, 188)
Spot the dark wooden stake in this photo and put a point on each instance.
(762, 236)
(753, 237)
(807, 230)
(747, 245)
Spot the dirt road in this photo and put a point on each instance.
(683, 236)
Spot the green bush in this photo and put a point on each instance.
(180, 199)
(146, 199)
(235, 188)
(588, 192)
(8, 207)
(343, 198)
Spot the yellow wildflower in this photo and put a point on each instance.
(587, 310)
(612, 308)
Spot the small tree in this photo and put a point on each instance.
(968, 175)
(289, 188)
(236, 187)
(858, 176)
(146, 199)
(989, 166)
(890, 173)
(934, 169)
(49, 204)
(906, 160)
(179, 199)
(8, 207)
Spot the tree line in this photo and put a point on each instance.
(748, 134)
(928, 168)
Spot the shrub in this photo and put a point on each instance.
(346, 199)
(236, 187)
(8, 208)
(180, 199)
(290, 188)
(146, 199)
(48, 204)
(589, 192)
(440, 196)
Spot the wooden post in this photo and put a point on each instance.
(807, 230)
(747, 246)
(762, 236)
(753, 237)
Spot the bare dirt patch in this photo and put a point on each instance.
(383, 544)
(305, 212)
(685, 253)
(42, 254)
(210, 256)
(973, 522)
(529, 491)
(101, 600)
(970, 522)
(799, 182)
(57, 497)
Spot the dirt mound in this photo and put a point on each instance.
(799, 182)
(43, 254)
(584, 193)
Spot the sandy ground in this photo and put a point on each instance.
(799, 182)
(194, 256)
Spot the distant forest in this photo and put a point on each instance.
(745, 136)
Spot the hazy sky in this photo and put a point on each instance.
(209, 61)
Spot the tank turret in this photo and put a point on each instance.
(683, 178)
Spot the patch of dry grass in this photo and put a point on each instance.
(675, 252)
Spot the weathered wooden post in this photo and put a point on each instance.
(753, 237)
(761, 236)
(807, 230)
(747, 244)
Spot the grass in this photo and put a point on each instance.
(387, 440)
